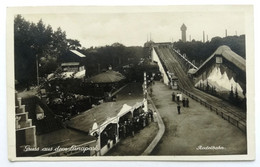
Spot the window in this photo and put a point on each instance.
(218, 60)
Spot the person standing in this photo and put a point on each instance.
(187, 102)
(179, 108)
(152, 116)
(183, 102)
(124, 129)
(173, 96)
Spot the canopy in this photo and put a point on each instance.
(99, 129)
(95, 126)
(124, 109)
(109, 76)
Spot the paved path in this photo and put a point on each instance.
(195, 126)
(136, 145)
(160, 132)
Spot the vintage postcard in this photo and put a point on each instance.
(171, 83)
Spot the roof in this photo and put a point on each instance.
(63, 138)
(229, 55)
(70, 64)
(192, 71)
(77, 53)
(101, 113)
(80, 74)
(109, 76)
(183, 27)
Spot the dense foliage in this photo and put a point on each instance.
(199, 51)
(37, 41)
(116, 55)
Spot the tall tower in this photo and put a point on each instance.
(183, 32)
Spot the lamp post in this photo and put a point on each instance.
(145, 86)
(145, 93)
(37, 69)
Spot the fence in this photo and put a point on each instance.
(234, 120)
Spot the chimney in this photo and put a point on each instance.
(203, 36)
(226, 32)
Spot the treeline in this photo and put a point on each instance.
(199, 51)
(40, 42)
(115, 55)
(37, 41)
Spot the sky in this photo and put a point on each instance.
(135, 28)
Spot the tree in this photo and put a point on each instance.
(199, 51)
(38, 41)
(24, 58)
(73, 44)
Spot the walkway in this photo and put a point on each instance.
(133, 146)
(195, 126)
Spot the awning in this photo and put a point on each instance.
(125, 109)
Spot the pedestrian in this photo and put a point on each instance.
(178, 97)
(183, 102)
(121, 130)
(187, 102)
(152, 119)
(138, 123)
(179, 108)
(144, 121)
(173, 96)
(124, 130)
(131, 128)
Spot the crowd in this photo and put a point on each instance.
(179, 98)
(130, 126)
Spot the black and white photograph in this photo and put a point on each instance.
(130, 82)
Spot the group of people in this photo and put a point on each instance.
(185, 102)
(179, 98)
(129, 127)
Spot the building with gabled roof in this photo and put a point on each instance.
(224, 70)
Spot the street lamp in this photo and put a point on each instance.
(37, 63)
(37, 69)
